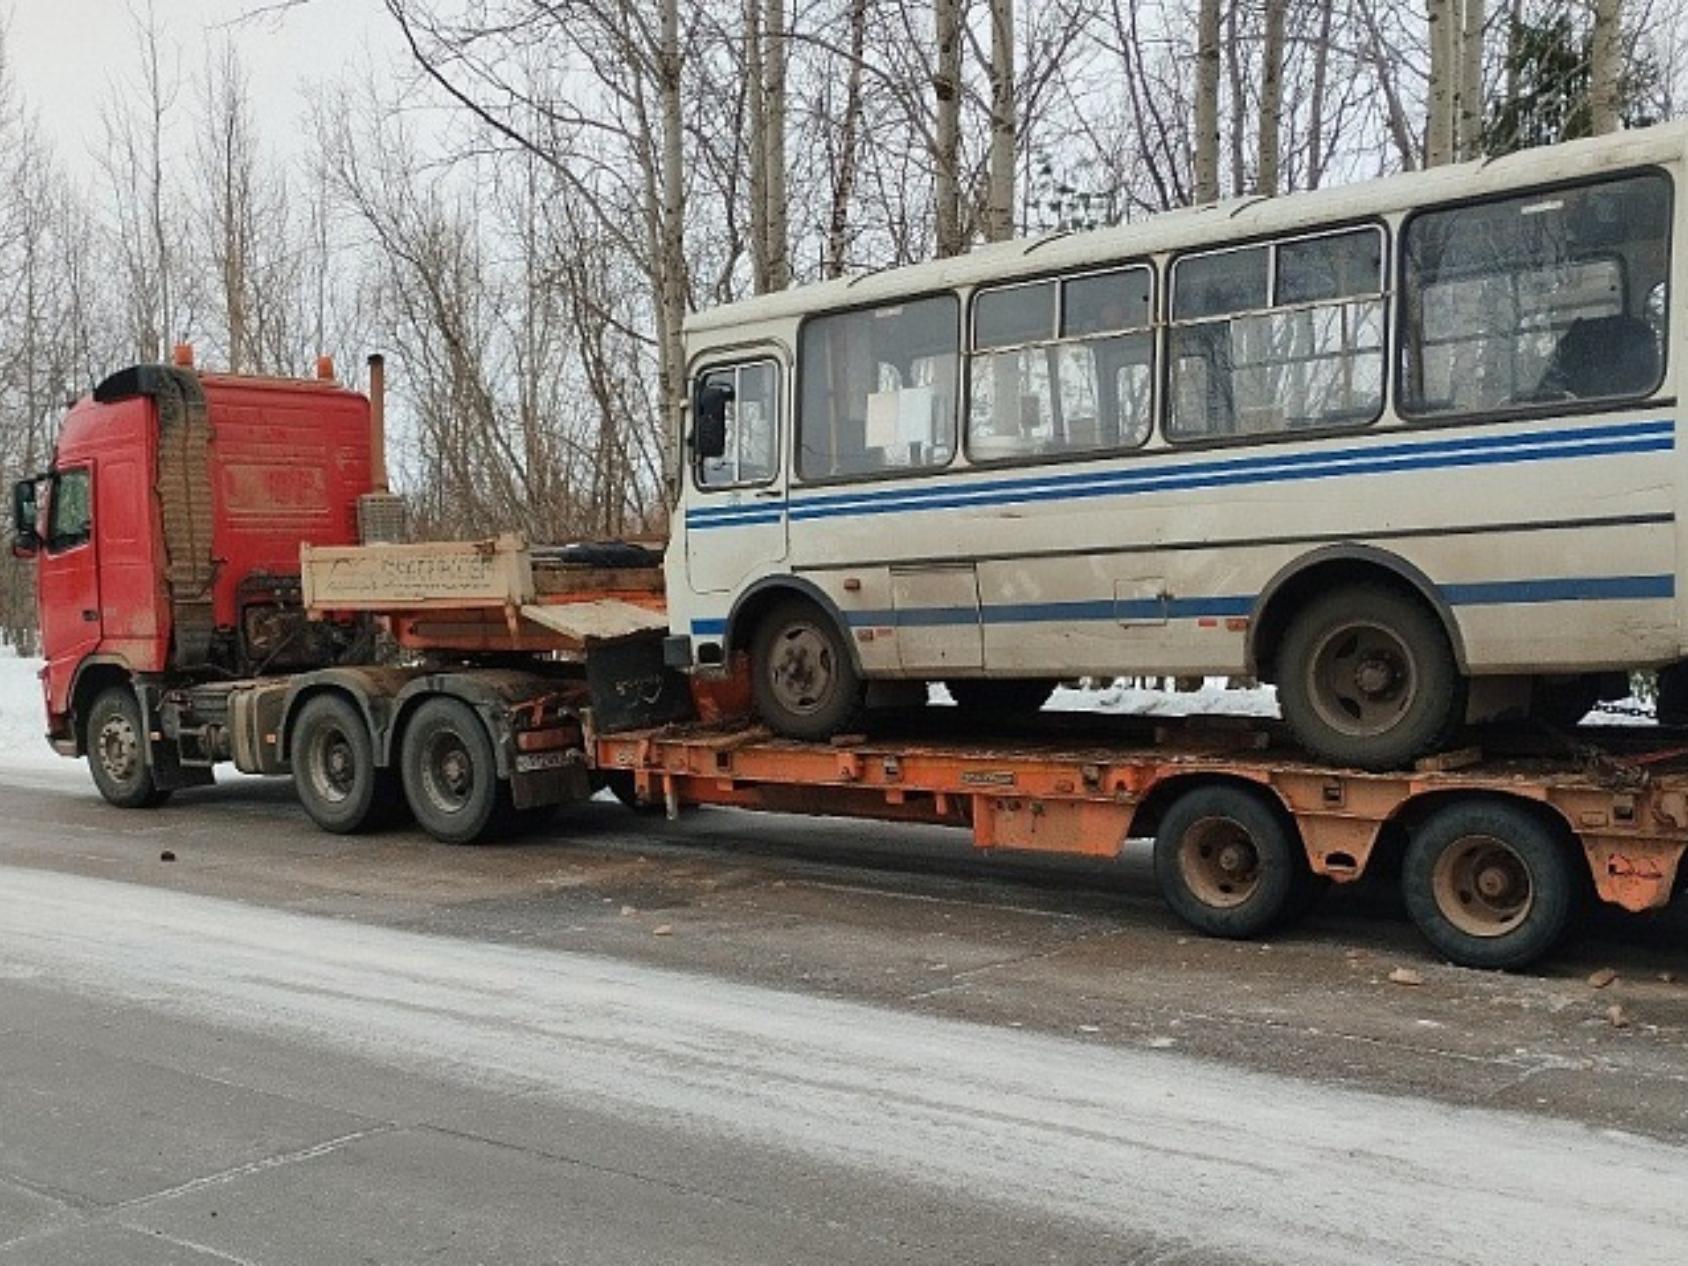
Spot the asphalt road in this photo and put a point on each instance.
(735, 1040)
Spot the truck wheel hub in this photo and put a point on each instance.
(119, 748)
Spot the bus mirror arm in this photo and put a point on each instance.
(26, 539)
(709, 433)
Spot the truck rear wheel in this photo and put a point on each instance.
(451, 773)
(1489, 884)
(334, 771)
(117, 751)
(1229, 865)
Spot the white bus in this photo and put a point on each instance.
(1406, 449)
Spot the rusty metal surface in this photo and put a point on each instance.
(1084, 800)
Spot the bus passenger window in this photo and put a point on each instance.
(752, 454)
(1061, 367)
(1536, 299)
(878, 389)
(1277, 338)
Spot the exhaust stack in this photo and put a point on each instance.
(381, 514)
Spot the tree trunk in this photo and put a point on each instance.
(1439, 125)
(1316, 97)
(999, 200)
(946, 88)
(1207, 103)
(1606, 67)
(1235, 52)
(673, 268)
(756, 94)
(1471, 82)
(844, 180)
(1271, 97)
(776, 36)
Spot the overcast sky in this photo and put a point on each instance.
(64, 55)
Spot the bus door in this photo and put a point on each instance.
(736, 503)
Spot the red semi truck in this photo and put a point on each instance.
(217, 582)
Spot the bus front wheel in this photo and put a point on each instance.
(1366, 678)
(802, 677)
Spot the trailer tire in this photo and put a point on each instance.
(117, 746)
(334, 773)
(1229, 864)
(1489, 884)
(451, 773)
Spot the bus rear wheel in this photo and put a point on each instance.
(1489, 884)
(1366, 678)
(117, 751)
(802, 677)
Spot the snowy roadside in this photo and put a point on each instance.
(23, 724)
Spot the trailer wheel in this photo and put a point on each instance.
(334, 773)
(117, 751)
(1229, 865)
(1489, 884)
(451, 773)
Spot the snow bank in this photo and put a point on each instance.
(23, 719)
(1213, 698)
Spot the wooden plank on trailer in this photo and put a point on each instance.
(596, 621)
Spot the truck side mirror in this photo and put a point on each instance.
(709, 433)
(26, 539)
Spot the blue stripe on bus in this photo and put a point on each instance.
(1489, 593)
(1635, 437)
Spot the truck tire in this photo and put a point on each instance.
(1003, 696)
(802, 677)
(1366, 678)
(450, 773)
(117, 751)
(334, 773)
(1489, 884)
(1229, 864)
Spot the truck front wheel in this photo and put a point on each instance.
(334, 770)
(117, 751)
(451, 773)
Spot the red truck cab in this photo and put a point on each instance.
(167, 531)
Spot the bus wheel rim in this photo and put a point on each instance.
(1482, 886)
(1362, 678)
(802, 671)
(119, 748)
(1219, 862)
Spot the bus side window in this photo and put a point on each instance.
(1537, 298)
(878, 389)
(1281, 337)
(1061, 367)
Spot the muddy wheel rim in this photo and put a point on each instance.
(1482, 886)
(802, 669)
(333, 765)
(119, 748)
(1219, 862)
(448, 772)
(1362, 678)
